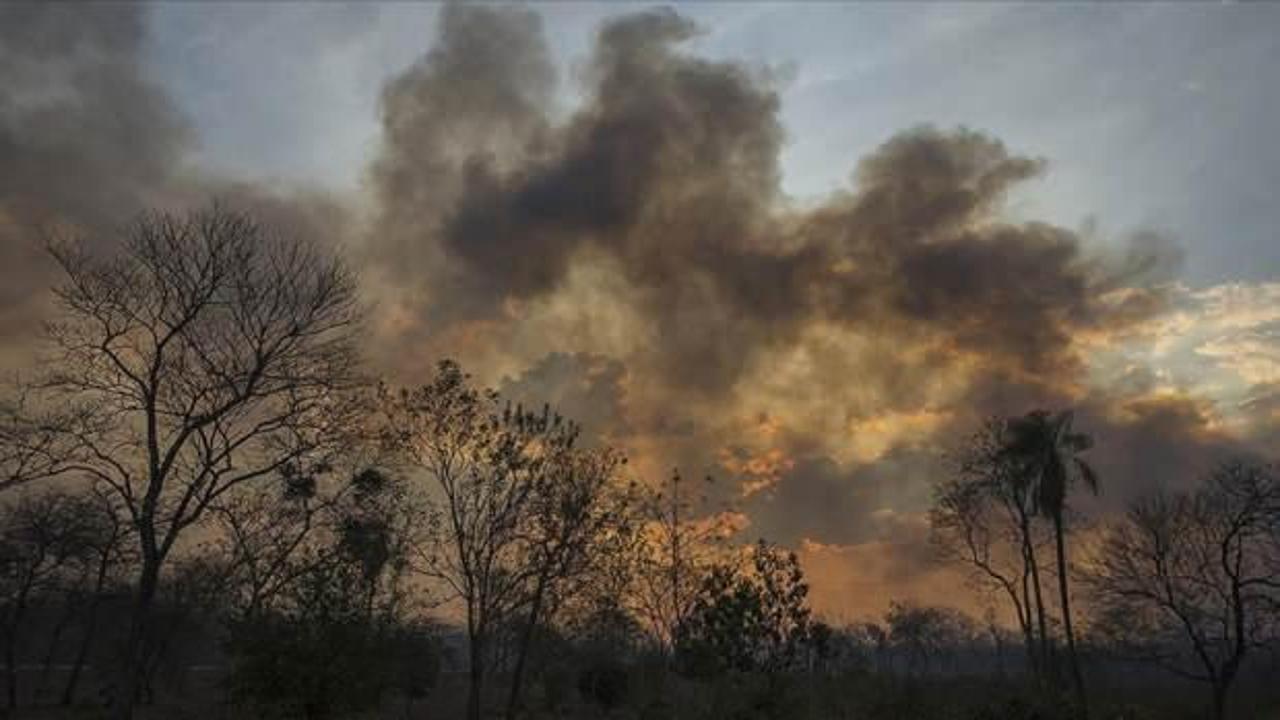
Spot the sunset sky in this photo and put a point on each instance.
(803, 249)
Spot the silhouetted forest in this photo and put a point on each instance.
(210, 510)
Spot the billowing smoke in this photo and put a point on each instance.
(635, 260)
(668, 176)
(820, 356)
(86, 139)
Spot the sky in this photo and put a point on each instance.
(800, 248)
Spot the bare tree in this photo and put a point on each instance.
(90, 532)
(110, 555)
(969, 527)
(202, 354)
(574, 509)
(1190, 581)
(926, 633)
(33, 441)
(43, 539)
(487, 466)
(1047, 452)
(982, 519)
(679, 546)
(271, 534)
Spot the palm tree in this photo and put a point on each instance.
(1046, 450)
(1006, 482)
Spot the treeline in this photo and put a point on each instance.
(200, 473)
(201, 453)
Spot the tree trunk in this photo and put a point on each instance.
(1222, 683)
(82, 654)
(474, 692)
(1030, 549)
(1077, 678)
(522, 653)
(1029, 645)
(999, 644)
(51, 651)
(91, 627)
(11, 648)
(134, 664)
(10, 669)
(1220, 699)
(1025, 616)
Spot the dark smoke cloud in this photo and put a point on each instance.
(825, 501)
(669, 173)
(1143, 442)
(1146, 442)
(84, 133)
(909, 292)
(480, 96)
(86, 138)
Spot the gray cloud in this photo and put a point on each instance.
(667, 181)
(586, 388)
(670, 173)
(86, 139)
(824, 501)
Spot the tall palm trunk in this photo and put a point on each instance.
(1077, 678)
(1042, 624)
(1027, 614)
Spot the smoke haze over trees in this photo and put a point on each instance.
(440, 440)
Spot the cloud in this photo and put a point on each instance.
(818, 358)
(824, 501)
(857, 582)
(590, 389)
(87, 138)
(665, 182)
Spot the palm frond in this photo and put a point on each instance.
(1088, 475)
(1062, 425)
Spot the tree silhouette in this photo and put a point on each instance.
(926, 633)
(750, 620)
(46, 539)
(111, 555)
(676, 549)
(1045, 450)
(1191, 581)
(203, 353)
(574, 509)
(981, 517)
(519, 504)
